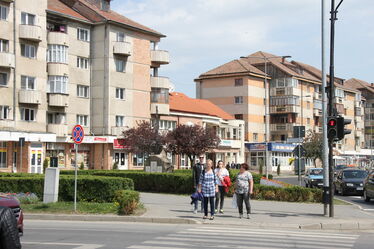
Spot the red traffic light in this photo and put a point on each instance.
(332, 122)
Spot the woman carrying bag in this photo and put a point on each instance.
(243, 189)
(208, 186)
(221, 172)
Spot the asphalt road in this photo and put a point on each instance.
(111, 235)
(353, 199)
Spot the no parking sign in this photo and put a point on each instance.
(77, 134)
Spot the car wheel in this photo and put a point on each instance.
(366, 197)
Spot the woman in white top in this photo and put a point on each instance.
(220, 172)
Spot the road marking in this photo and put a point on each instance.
(78, 245)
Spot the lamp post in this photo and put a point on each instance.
(267, 94)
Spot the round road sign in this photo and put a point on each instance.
(78, 134)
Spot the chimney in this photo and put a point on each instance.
(101, 4)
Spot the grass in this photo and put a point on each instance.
(340, 202)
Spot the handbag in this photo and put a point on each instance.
(234, 203)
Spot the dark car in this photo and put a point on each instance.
(369, 187)
(13, 203)
(314, 178)
(338, 168)
(350, 180)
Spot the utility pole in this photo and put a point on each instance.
(332, 110)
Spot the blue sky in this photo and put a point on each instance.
(203, 34)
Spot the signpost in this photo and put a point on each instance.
(77, 135)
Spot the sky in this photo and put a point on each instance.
(204, 34)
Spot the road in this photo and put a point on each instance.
(112, 235)
(353, 199)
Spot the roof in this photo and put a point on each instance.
(58, 6)
(72, 9)
(181, 103)
(359, 85)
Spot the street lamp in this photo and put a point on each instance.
(267, 94)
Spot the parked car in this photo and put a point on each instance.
(339, 168)
(369, 187)
(314, 178)
(14, 204)
(350, 180)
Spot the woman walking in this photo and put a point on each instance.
(220, 172)
(208, 186)
(243, 189)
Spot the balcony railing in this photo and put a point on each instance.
(60, 130)
(30, 32)
(284, 91)
(160, 56)
(284, 109)
(118, 130)
(29, 97)
(59, 38)
(6, 124)
(282, 127)
(58, 99)
(160, 82)
(59, 69)
(317, 112)
(157, 108)
(122, 48)
(6, 60)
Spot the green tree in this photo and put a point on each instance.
(313, 146)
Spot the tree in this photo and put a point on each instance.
(191, 141)
(144, 139)
(313, 146)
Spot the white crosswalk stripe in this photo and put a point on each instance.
(236, 237)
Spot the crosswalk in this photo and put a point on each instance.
(242, 237)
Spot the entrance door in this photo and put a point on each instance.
(36, 156)
(121, 158)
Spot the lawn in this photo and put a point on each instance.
(68, 208)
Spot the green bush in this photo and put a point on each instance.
(127, 201)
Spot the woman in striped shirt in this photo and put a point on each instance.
(208, 186)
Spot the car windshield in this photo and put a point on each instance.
(338, 167)
(317, 172)
(355, 174)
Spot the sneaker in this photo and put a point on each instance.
(248, 216)
(221, 211)
(195, 211)
(240, 216)
(205, 217)
(215, 211)
(211, 218)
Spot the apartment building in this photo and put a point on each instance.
(295, 92)
(188, 111)
(68, 62)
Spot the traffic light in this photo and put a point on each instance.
(341, 123)
(332, 129)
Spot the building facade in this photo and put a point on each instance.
(68, 62)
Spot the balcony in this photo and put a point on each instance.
(317, 112)
(30, 32)
(29, 97)
(6, 60)
(317, 95)
(59, 38)
(118, 130)
(160, 56)
(282, 127)
(61, 130)
(157, 108)
(58, 99)
(284, 91)
(58, 69)
(160, 82)
(284, 109)
(122, 48)
(318, 129)
(6, 124)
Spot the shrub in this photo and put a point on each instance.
(127, 201)
(115, 166)
(81, 167)
(45, 164)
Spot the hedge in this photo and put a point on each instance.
(90, 188)
(127, 201)
(290, 194)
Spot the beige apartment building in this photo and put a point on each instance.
(68, 62)
(295, 92)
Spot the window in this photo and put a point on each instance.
(82, 120)
(57, 84)
(239, 116)
(4, 112)
(28, 83)
(82, 91)
(120, 65)
(120, 93)
(3, 150)
(119, 121)
(139, 159)
(4, 46)
(238, 99)
(57, 53)
(159, 95)
(56, 118)
(120, 36)
(56, 27)
(255, 137)
(234, 134)
(27, 18)
(3, 12)
(284, 100)
(239, 82)
(28, 114)
(165, 124)
(82, 62)
(28, 51)
(83, 34)
(3, 79)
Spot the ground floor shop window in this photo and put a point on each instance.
(121, 159)
(83, 156)
(184, 162)
(3, 150)
(139, 159)
(256, 158)
(57, 150)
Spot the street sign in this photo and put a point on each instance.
(299, 150)
(78, 134)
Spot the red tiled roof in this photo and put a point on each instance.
(58, 6)
(182, 103)
(359, 85)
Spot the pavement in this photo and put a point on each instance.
(176, 209)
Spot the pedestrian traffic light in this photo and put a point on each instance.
(341, 131)
(332, 131)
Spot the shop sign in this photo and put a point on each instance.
(225, 143)
(119, 144)
(256, 146)
(281, 147)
